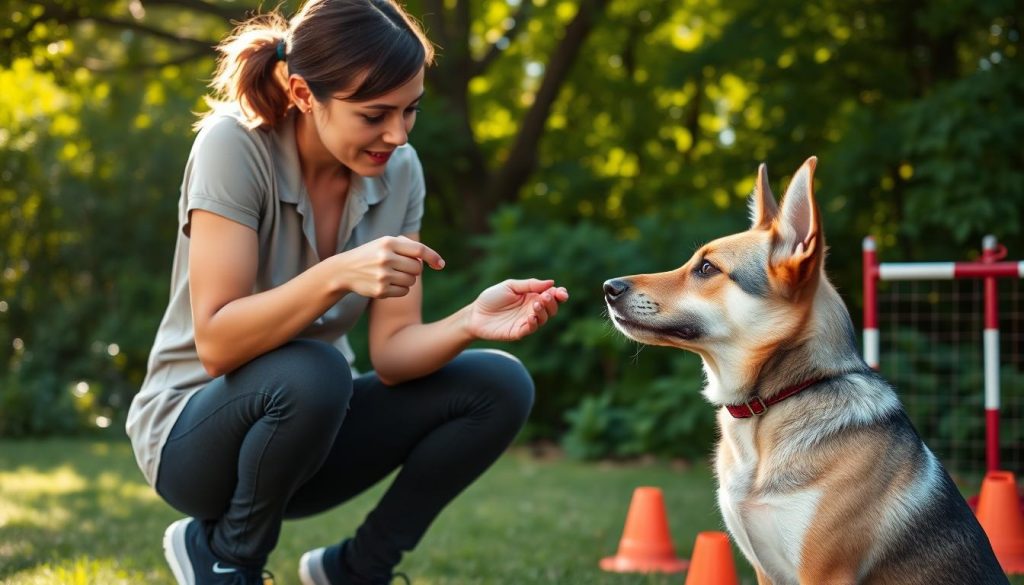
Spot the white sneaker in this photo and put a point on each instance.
(311, 568)
(176, 552)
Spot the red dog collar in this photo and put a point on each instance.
(756, 406)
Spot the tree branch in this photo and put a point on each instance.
(99, 66)
(224, 12)
(522, 15)
(50, 12)
(148, 30)
(523, 157)
(693, 116)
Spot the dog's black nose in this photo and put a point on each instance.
(615, 288)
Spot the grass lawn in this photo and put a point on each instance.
(74, 511)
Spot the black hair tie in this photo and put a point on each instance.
(280, 51)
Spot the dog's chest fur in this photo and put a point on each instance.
(769, 526)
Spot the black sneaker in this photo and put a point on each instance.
(193, 563)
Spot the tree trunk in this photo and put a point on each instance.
(522, 159)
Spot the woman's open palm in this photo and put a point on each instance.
(513, 309)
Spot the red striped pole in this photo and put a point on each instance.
(990, 254)
(948, 270)
(870, 302)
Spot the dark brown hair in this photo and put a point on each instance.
(332, 44)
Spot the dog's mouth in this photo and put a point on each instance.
(682, 332)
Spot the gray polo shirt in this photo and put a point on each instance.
(253, 177)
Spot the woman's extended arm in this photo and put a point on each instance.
(402, 347)
(233, 325)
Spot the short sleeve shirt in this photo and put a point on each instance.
(253, 177)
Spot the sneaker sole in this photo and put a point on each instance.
(176, 553)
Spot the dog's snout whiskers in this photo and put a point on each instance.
(645, 306)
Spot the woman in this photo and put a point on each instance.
(300, 209)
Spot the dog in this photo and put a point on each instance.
(822, 478)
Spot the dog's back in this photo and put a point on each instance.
(943, 536)
(822, 477)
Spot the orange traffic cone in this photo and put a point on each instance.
(712, 562)
(646, 545)
(999, 514)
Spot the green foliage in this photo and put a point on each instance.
(951, 145)
(86, 241)
(664, 415)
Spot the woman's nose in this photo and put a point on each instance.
(397, 134)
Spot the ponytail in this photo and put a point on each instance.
(251, 72)
(364, 47)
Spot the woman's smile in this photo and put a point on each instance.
(379, 157)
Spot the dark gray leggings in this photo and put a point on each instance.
(291, 434)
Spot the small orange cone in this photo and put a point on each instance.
(646, 545)
(712, 562)
(999, 514)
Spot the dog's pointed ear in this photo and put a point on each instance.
(800, 242)
(763, 208)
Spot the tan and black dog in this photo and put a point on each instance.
(822, 478)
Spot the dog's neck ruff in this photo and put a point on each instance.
(757, 406)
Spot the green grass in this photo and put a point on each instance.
(79, 512)
(76, 512)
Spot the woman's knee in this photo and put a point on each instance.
(308, 375)
(507, 382)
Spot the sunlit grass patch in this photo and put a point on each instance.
(26, 480)
(82, 571)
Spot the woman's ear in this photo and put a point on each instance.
(300, 94)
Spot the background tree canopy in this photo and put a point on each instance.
(575, 140)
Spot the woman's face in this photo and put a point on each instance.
(363, 135)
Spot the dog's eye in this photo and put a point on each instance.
(707, 269)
